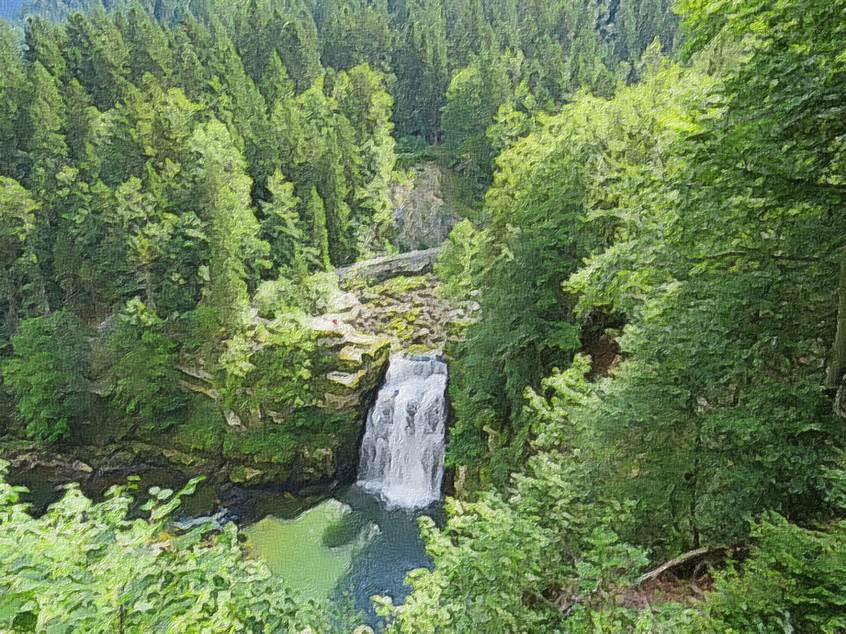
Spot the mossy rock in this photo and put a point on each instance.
(265, 444)
(181, 458)
(401, 328)
(242, 474)
(346, 381)
(421, 349)
(402, 286)
(203, 431)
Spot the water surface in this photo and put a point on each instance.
(346, 549)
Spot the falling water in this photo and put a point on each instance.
(402, 454)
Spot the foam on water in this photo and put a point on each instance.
(402, 453)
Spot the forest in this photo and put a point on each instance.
(640, 296)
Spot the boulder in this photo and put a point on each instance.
(389, 266)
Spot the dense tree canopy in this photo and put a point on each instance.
(654, 239)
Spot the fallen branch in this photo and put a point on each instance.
(687, 557)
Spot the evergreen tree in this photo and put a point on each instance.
(223, 193)
(83, 125)
(48, 375)
(364, 102)
(17, 256)
(148, 45)
(275, 83)
(357, 32)
(44, 42)
(237, 102)
(189, 72)
(421, 67)
(98, 57)
(44, 143)
(320, 232)
(12, 102)
(474, 96)
(280, 223)
(298, 46)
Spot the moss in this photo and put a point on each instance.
(401, 286)
(241, 474)
(308, 430)
(419, 349)
(268, 443)
(204, 429)
(403, 325)
(354, 282)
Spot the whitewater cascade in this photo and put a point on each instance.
(402, 454)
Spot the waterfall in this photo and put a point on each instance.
(402, 454)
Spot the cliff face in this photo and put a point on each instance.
(261, 433)
(423, 215)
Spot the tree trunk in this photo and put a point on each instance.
(836, 365)
(148, 288)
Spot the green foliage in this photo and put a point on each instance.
(143, 367)
(12, 92)
(89, 567)
(543, 191)
(503, 560)
(320, 230)
(48, 375)
(190, 161)
(284, 367)
(18, 260)
(700, 211)
(203, 429)
(499, 563)
(459, 265)
(223, 192)
(793, 580)
(473, 98)
(280, 224)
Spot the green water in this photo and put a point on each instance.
(297, 549)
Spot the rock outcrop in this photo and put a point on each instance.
(389, 266)
(423, 215)
(411, 313)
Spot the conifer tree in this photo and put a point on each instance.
(148, 45)
(44, 144)
(12, 102)
(223, 193)
(44, 42)
(362, 99)
(357, 32)
(320, 233)
(280, 223)
(83, 121)
(98, 57)
(275, 83)
(17, 255)
(421, 67)
(189, 72)
(237, 102)
(298, 46)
